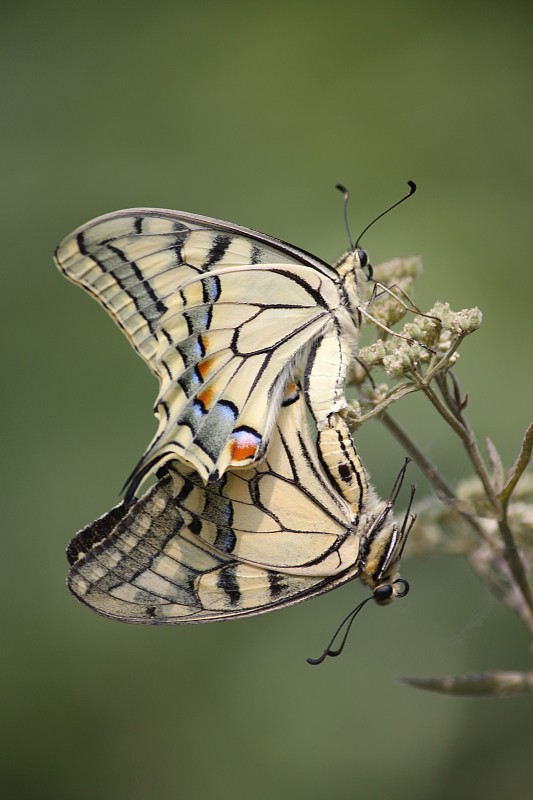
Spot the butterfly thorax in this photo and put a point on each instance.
(353, 280)
(382, 546)
(372, 573)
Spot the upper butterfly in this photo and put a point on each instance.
(225, 317)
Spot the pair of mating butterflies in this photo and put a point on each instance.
(249, 512)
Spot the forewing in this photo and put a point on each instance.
(259, 539)
(220, 314)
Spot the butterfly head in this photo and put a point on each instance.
(352, 263)
(354, 271)
(383, 546)
(353, 267)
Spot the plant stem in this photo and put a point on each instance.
(470, 443)
(510, 552)
(430, 470)
(514, 561)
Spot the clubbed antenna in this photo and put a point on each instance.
(412, 190)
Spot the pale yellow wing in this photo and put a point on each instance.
(224, 317)
(260, 538)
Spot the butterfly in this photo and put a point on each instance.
(259, 538)
(227, 319)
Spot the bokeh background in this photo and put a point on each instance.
(251, 112)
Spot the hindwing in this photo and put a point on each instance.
(224, 317)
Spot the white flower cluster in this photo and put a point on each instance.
(437, 332)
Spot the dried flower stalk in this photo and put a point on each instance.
(487, 518)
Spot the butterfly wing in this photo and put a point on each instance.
(259, 539)
(224, 317)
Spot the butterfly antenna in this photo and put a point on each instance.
(398, 483)
(408, 516)
(347, 621)
(407, 524)
(412, 190)
(346, 195)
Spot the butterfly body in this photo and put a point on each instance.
(226, 318)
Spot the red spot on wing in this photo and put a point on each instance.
(244, 445)
(240, 452)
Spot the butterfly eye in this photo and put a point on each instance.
(362, 256)
(382, 594)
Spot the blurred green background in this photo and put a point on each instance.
(251, 112)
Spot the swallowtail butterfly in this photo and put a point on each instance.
(260, 538)
(226, 318)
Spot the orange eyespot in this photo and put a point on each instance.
(244, 444)
(241, 452)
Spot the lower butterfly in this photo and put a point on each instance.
(258, 539)
(225, 317)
